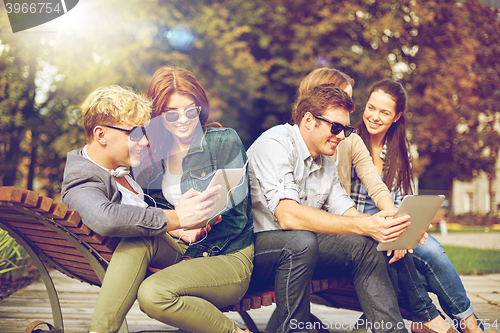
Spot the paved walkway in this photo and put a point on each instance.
(487, 240)
(78, 300)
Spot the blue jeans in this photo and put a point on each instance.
(405, 277)
(440, 277)
(289, 259)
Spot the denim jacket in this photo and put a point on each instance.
(211, 149)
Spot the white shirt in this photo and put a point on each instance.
(128, 197)
(171, 186)
(281, 167)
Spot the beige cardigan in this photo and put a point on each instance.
(352, 151)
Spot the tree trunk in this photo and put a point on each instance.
(11, 160)
(491, 191)
(31, 172)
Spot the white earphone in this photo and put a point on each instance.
(121, 171)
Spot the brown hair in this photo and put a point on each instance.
(319, 99)
(397, 171)
(169, 80)
(165, 82)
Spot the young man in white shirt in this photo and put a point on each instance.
(305, 222)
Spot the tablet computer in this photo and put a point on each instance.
(422, 209)
(230, 179)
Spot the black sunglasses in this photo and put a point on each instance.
(135, 134)
(191, 112)
(336, 127)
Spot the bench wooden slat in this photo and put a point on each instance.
(29, 198)
(59, 255)
(14, 216)
(81, 230)
(235, 307)
(54, 240)
(315, 286)
(87, 271)
(25, 227)
(38, 232)
(43, 205)
(246, 304)
(57, 211)
(71, 219)
(71, 263)
(11, 194)
(59, 249)
(268, 298)
(108, 247)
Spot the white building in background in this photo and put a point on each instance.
(474, 196)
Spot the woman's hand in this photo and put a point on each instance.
(398, 254)
(192, 236)
(194, 207)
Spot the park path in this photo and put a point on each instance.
(78, 300)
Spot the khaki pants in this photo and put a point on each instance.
(183, 294)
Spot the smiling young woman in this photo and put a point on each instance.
(383, 130)
(186, 154)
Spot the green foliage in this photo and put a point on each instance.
(250, 56)
(44, 76)
(455, 89)
(473, 261)
(470, 219)
(14, 260)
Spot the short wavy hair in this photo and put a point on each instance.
(321, 98)
(112, 105)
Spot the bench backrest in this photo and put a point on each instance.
(61, 240)
(55, 233)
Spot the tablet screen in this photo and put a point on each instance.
(230, 179)
(422, 209)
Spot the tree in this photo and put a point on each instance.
(44, 77)
(250, 56)
(456, 88)
(434, 48)
(358, 37)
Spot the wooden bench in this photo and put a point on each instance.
(55, 237)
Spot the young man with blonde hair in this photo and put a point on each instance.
(97, 184)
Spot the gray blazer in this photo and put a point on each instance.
(93, 193)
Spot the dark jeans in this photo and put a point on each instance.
(289, 259)
(286, 259)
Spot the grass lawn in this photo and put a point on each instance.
(473, 261)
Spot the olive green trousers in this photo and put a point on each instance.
(184, 294)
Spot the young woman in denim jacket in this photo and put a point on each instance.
(217, 262)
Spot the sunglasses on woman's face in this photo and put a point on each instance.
(191, 112)
(336, 127)
(135, 134)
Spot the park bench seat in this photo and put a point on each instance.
(55, 237)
